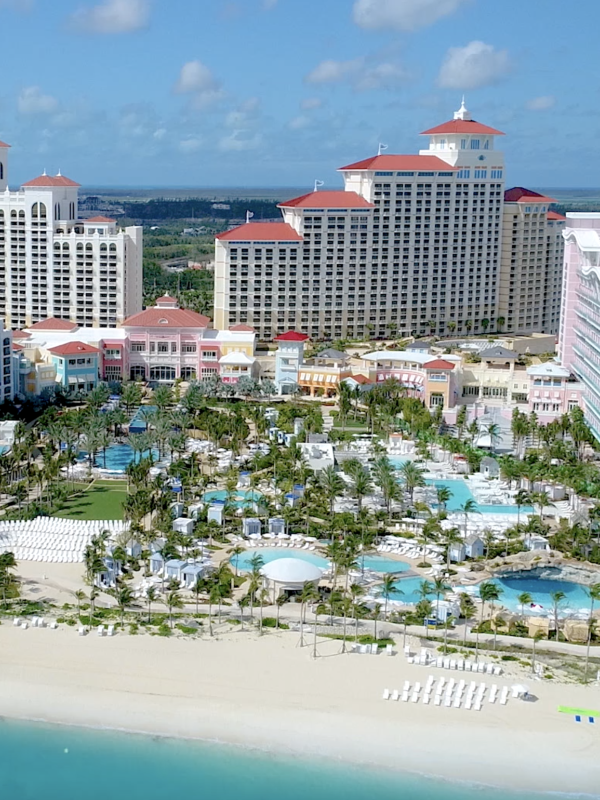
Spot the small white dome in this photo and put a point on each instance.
(291, 570)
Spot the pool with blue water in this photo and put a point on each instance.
(238, 498)
(119, 456)
(268, 554)
(541, 589)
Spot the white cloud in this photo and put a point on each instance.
(405, 15)
(331, 71)
(113, 16)
(197, 80)
(473, 66)
(239, 141)
(311, 102)
(32, 101)
(159, 134)
(244, 115)
(381, 76)
(541, 103)
(190, 145)
(297, 123)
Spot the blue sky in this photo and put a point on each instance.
(281, 92)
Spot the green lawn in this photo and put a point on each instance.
(102, 501)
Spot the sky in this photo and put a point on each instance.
(267, 93)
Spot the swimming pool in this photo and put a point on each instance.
(374, 563)
(238, 498)
(407, 591)
(120, 456)
(461, 493)
(540, 590)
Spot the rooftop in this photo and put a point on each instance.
(385, 163)
(549, 370)
(520, 195)
(291, 336)
(52, 180)
(438, 363)
(554, 215)
(99, 219)
(261, 232)
(73, 349)
(462, 126)
(324, 199)
(498, 352)
(167, 318)
(241, 328)
(53, 324)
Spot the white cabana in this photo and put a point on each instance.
(289, 574)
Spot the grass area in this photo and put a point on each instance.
(103, 500)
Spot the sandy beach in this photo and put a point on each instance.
(269, 693)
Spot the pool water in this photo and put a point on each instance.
(120, 456)
(540, 590)
(238, 498)
(407, 591)
(461, 493)
(268, 554)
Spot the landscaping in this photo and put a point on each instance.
(102, 500)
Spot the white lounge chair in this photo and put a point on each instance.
(16, 622)
(374, 649)
(406, 686)
(426, 699)
(405, 696)
(24, 626)
(386, 694)
(81, 630)
(438, 700)
(389, 650)
(469, 703)
(395, 694)
(477, 706)
(111, 630)
(504, 696)
(414, 698)
(100, 630)
(457, 700)
(448, 701)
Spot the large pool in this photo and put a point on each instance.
(238, 498)
(540, 590)
(120, 456)
(268, 554)
(407, 591)
(461, 493)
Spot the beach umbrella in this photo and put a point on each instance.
(520, 688)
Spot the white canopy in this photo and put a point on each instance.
(237, 358)
(291, 570)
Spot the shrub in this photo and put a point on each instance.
(187, 629)
(509, 658)
(134, 628)
(163, 630)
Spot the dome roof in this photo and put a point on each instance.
(291, 570)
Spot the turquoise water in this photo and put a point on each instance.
(268, 554)
(540, 590)
(410, 588)
(42, 762)
(120, 456)
(461, 493)
(239, 498)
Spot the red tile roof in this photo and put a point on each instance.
(99, 219)
(439, 363)
(167, 318)
(53, 324)
(51, 180)
(73, 349)
(17, 346)
(520, 195)
(241, 329)
(404, 163)
(261, 232)
(462, 126)
(291, 336)
(362, 379)
(3, 144)
(328, 200)
(552, 215)
(21, 335)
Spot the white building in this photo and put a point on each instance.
(53, 264)
(413, 244)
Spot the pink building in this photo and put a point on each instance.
(579, 339)
(552, 391)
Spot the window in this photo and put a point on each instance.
(163, 347)
(209, 355)
(138, 347)
(464, 173)
(188, 348)
(474, 144)
(463, 144)
(173, 347)
(496, 174)
(481, 173)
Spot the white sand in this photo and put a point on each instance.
(267, 692)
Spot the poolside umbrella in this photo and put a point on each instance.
(520, 689)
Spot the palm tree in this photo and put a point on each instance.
(493, 431)
(361, 486)
(468, 507)
(424, 590)
(522, 498)
(173, 600)
(593, 593)
(412, 476)
(308, 595)
(263, 598)
(151, 597)
(356, 592)
(439, 589)
(279, 602)
(557, 598)
(451, 536)
(488, 591)
(332, 485)
(376, 614)
(443, 494)
(80, 597)
(124, 596)
(387, 590)
(542, 500)
(525, 599)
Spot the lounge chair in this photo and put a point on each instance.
(417, 687)
(81, 630)
(426, 699)
(395, 694)
(374, 649)
(448, 701)
(457, 700)
(468, 666)
(386, 694)
(414, 698)
(477, 706)
(460, 664)
(54, 625)
(16, 622)
(438, 700)
(405, 696)
(24, 626)
(406, 686)
(111, 630)
(100, 630)
(452, 664)
(489, 669)
(468, 703)
(504, 696)
(389, 650)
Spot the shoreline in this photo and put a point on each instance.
(269, 696)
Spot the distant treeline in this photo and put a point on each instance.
(201, 209)
(576, 205)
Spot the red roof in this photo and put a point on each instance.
(17, 346)
(51, 180)
(53, 324)
(73, 349)
(362, 379)
(100, 219)
(404, 163)
(291, 336)
(551, 215)
(241, 329)
(520, 195)
(167, 318)
(261, 232)
(3, 144)
(21, 335)
(328, 200)
(462, 126)
(439, 363)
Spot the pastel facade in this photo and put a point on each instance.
(553, 391)
(288, 358)
(579, 338)
(54, 264)
(76, 365)
(322, 374)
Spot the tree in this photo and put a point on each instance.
(451, 326)
(443, 495)
(557, 598)
(451, 536)
(173, 600)
(500, 322)
(593, 593)
(522, 498)
(279, 602)
(361, 486)
(151, 597)
(412, 476)
(124, 596)
(468, 507)
(542, 500)
(308, 595)
(493, 431)
(236, 551)
(488, 592)
(332, 486)
(387, 590)
(485, 323)
(525, 599)
(80, 597)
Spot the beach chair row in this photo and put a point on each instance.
(371, 649)
(443, 662)
(449, 694)
(34, 622)
(101, 630)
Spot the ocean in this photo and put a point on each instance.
(46, 762)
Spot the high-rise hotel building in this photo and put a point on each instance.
(413, 244)
(53, 264)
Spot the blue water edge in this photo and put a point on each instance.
(45, 762)
(268, 554)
